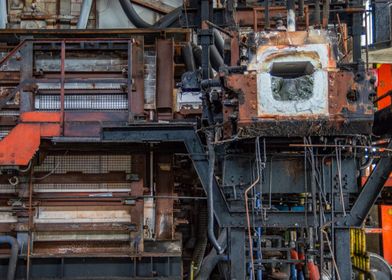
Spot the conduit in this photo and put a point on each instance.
(213, 258)
(210, 198)
(14, 255)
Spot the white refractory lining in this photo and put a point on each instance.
(317, 55)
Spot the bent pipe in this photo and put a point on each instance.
(14, 255)
(84, 14)
(216, 59)
(210, 198)
(132, 15)
(212, 259)
(189, 58)
(219, 42)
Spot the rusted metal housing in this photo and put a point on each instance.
(337, 102)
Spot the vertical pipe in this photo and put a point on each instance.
(317, 12)
(259, 233)
(326, 4)
(62, 84)
(357, 33)
(84, 14)
(14, 255)
(129, 81)
(301, 6)
(291, 15)
(266, 14)
(30, 222)
(205, 59)
(3, 14)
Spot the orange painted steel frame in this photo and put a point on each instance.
(21, 144)
(386, 221)
(384, 84)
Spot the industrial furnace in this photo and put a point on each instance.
(201, 140)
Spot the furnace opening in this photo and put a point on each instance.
(291, 81)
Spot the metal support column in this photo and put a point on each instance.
(342, 252)
(26, 73)
(237, 254)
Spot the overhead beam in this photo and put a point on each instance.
(156, 6)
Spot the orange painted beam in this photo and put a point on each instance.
(41, 117)
(384, 84)
(23, 141)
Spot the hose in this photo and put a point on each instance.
(14, 255)
(212, 259)
(210, 197)
(84, 14)
(132, 15)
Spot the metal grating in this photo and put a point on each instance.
(61, 164)
(82, 102)
(88, 164)
(4, 188)
(104, 187)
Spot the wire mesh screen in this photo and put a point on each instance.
(101, 187)
(82, 102)
(61, 164)
(87, 164)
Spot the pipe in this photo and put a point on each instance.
(266, 14)
(132, 15)
(210, 198)
(317, 12)
(3, 14)
(84, 14)
(291, 15)
(216, 59)
(212, 259)
(325, 13)
(14, 255)
(219, 42)
(189, 58)
(197, 56)
(301, 5)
